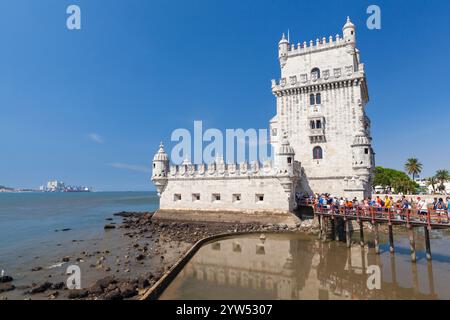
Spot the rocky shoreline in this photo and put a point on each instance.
(147, 248)
(148, 244)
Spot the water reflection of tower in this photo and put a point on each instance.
(270, 268)
(292, 268)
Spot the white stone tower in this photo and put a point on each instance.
(321, 98)
(160, 169)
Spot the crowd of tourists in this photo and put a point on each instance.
(417, 208)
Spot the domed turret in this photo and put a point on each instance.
(285, 156)
(349, 31)
(160, 169)
(283, 48)
(285, 147)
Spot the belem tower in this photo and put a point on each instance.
(320, 136)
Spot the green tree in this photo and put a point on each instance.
(432, 182)
(442, 176)
(413, 167)
(398, 180)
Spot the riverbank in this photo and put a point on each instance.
(133, 252)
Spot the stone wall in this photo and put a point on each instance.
(264, 193)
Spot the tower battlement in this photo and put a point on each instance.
(317, 45)
(232, 170)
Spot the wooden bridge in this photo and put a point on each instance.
(329, 216)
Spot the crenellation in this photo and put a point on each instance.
(221, 169)
(315, 46)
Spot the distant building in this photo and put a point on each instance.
(55, 185)
(59, 186)
(424, 187)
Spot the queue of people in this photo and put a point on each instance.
(416, 208)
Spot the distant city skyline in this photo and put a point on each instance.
(90, 106)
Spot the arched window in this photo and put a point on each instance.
(315, 73)
(289, 160)
(317, 153)
(312, 99)
(312, 123)
(318, 98)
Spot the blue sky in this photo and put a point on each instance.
(90, 106)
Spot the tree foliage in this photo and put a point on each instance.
(391, 178)
(442, 176)
(413, 167)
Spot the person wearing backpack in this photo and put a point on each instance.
(440, 208)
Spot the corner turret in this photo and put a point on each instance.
(285, 157)
(349, 31)
(283, 48)
(160, 169)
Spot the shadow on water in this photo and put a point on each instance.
(295, 267)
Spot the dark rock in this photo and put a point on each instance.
(4, 279)
(113, 295)
(105, 282)
(40, 288)
(6, 286)
(109, 226)
(65, 259)
(96, 289)
(140, 257)
(66, 229)
(127, 290)
(77, 294)
(57, 286)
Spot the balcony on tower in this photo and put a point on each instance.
(317, 129)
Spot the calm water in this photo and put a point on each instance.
(246, 267)
(301, 267)
(28, 220)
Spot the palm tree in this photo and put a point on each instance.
(432, 181)
(413, 167)
(442, 176)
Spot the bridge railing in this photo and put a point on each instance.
(391, 214)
